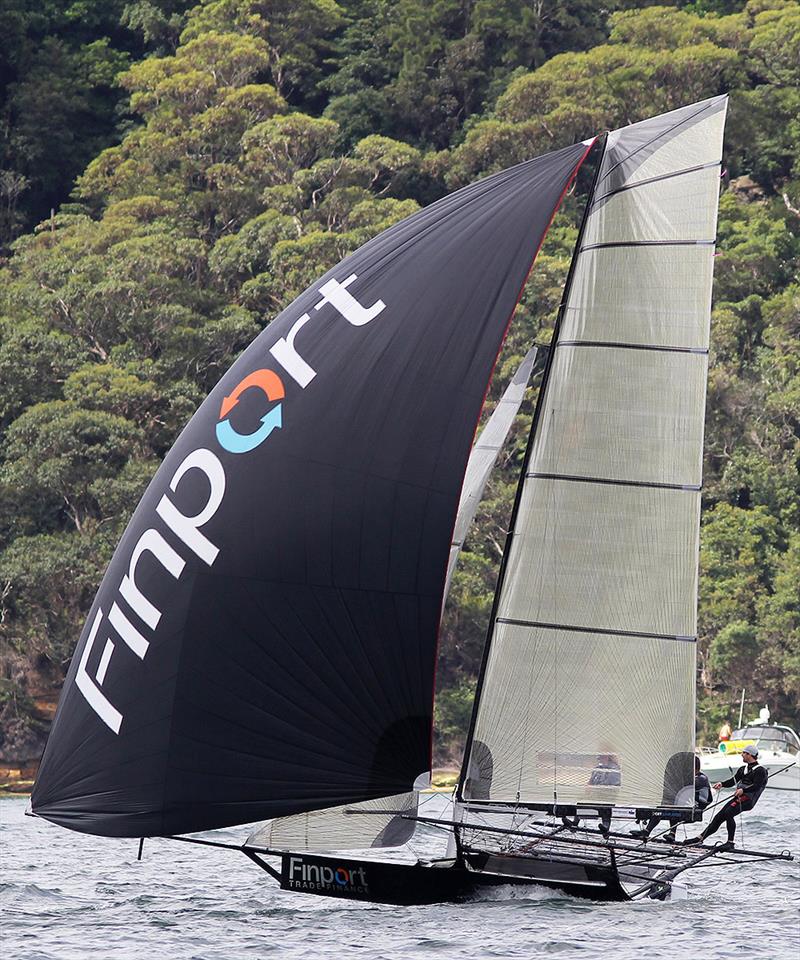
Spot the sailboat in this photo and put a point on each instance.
(262, 646)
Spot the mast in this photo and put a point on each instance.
(587, 686)
(600, 145)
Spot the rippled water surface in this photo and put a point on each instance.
(65, 896)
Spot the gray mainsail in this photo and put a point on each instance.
(587, 690)
(381, 822)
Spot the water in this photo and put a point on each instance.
(64, 896)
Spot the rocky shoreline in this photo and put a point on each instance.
(18, 778)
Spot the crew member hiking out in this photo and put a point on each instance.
(702, 798)
(750, 781)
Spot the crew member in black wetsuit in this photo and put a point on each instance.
(750, 781)
(702, 798)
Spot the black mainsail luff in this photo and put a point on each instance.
(264, 638)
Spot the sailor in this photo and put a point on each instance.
(606, 773)
(725, 732)
(750, 781)
(702, 798)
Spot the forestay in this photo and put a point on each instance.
(587, 690)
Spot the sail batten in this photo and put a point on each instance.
(703, 351)
(714, 164)
(646, 243)
(587, 688)
(692, 487)
(599, 630)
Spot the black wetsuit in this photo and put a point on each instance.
(752, 779)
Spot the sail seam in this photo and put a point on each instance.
(647, 243)
(700, 351)
(601, 630)
(663, 176)
(691, 487)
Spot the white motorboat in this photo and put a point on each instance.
(778, 751)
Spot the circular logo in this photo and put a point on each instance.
(272, 387)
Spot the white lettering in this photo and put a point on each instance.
(95, 697)
(291, 361)
(337, 296)
(153, 541)
(128, 632)
(108, 649)
(187, 528)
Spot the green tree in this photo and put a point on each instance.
(296, 34)
(59, 99)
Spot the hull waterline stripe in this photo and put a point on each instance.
(647, 243)
(664, 176)
(602, 631)
(701, 351)
(691, 487)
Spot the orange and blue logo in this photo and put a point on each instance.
(272, 387)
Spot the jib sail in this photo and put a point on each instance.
(484, 455)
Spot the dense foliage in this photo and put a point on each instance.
(206, 164)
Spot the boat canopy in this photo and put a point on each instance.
(778, 737)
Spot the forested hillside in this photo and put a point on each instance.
(204, 164)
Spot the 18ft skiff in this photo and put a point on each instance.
(263, 644)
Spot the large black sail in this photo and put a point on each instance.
(264, 639)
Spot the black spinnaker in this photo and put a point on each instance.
(264, 639)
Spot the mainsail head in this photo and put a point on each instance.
(587, 689)
(264, 639)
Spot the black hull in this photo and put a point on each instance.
(422, 883)
(588, 880)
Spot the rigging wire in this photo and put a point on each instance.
(556, 611)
